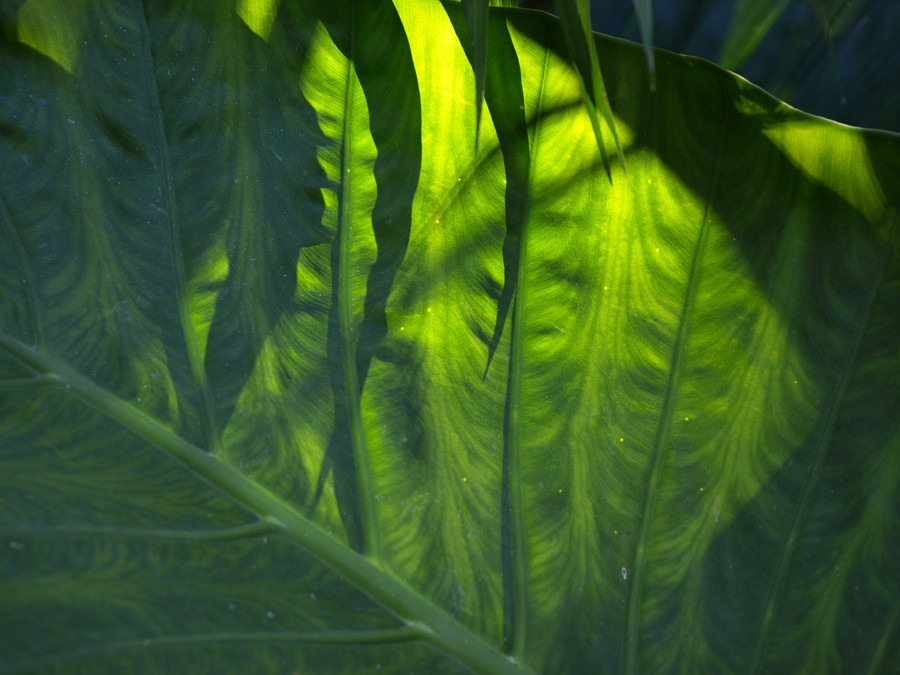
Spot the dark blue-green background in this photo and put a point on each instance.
(792, 61)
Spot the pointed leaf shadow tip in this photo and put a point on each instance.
(324, 470)
(487, 367)
(608, 169)
(477, 130)
(492, 348)
(503, 306)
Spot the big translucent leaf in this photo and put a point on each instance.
(292, 381)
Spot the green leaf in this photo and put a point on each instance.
(293, 381)
(476, 12)
(822, 13)
(829, 57)
(575, 19)
(752, 21)
(643, 10)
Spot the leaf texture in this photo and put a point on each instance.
(293, 380)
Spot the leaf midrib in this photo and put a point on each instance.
(379, 583)
(661, 442)
(514, 402)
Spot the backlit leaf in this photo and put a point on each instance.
(293, 381)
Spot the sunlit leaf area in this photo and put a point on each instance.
(363, 336)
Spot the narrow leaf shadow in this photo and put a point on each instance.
(379, 50)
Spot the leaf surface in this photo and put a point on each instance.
(292, 380)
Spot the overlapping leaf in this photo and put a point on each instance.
(293, 380)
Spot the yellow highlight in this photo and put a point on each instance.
(52, 29)
(802, 144)
(259, 15)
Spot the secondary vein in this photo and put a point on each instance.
(812, 477)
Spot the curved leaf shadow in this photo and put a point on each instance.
(846, 250)
(263, 239)
(505, 99)
(379, 49)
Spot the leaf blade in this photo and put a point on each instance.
(778, 304)
(576, 25)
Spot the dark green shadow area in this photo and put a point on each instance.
(263, 239)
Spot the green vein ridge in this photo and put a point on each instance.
(28, 382)
(514, 480)
(250, 530)
(192, 343)
(403, 633)
(348, 338)
(661, 442)
(812, 477)
(513, 420)
(436, 626)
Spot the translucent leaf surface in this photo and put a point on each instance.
(292, 381)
